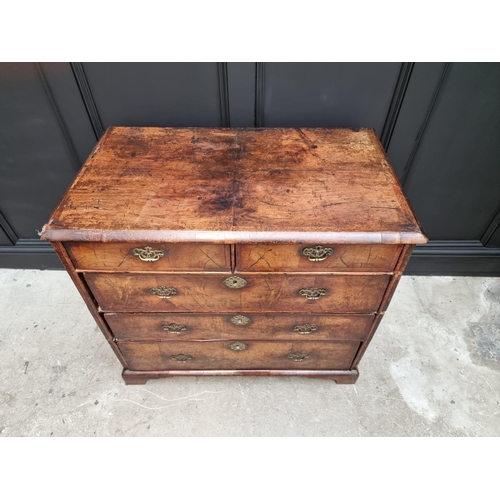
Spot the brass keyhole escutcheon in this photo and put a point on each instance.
(235, 282)
(240, 320)
(237, 346)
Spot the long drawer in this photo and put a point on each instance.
(171, 327)
(292, 293)
(244, 355)
(316, 258)
(126, 257)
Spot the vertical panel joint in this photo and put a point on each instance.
(425, 122)
(224, 94)
(11, 234)
(259, 94)
(396, 103)
(88, 98)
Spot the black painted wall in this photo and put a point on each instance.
(439, 123)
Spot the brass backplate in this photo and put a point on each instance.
(317, 253)
(147, 254)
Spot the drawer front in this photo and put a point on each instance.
(242, 355)
(325, 294)
(168, 327)
(152, 257)
(317, 258)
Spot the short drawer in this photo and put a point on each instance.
(317, 258)
(243, 355)
(214, 293)
(171, 327)
(140, 257)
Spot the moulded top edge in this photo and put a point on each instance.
(233, 237)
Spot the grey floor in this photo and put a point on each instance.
(433, 369)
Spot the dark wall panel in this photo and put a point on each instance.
(241, 79)
(439, 122)
(36, 161)
(491, 237)
(4, 239)
(416, 105)
(494, 240)
(156, 94)
(454, 181)
(69, 101)
(328, 94)
(7, 230)
(450, 265)
(29, 254)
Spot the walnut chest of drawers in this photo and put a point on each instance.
(236, 251)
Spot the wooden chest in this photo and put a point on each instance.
(236, 251)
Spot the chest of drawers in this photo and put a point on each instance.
(236, 251)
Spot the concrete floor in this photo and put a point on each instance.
(433, 369)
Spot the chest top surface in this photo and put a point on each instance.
(236, 186)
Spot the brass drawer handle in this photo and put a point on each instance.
(297, 356)
(237, 346)
(317, 253)
(174, 328)
(147, 254)
(305, 329)
(240, 320)
(163, 292)
(312, 293)
(235, 282)
(181, 358)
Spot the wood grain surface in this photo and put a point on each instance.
(263, 293)
(236, 185)
(140, 327)
(256, 355)
(177, 257)
(344, 258)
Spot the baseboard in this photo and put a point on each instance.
(29, 254)
(454, 258)
(438, 258)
